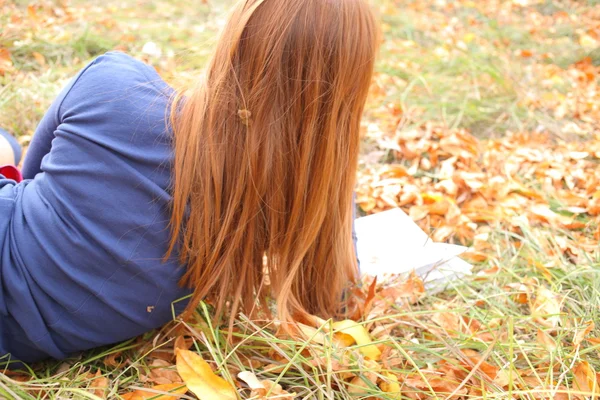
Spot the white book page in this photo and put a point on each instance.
(390, 242)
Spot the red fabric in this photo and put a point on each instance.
(11, 172)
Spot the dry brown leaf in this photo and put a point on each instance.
(583, 331)
(170, 391)
(99, 385)
(5, 61)
(183, 343)
(358, 386)
(546, 340)
(264, 389)
(474, 256)
(163, 372)
(412, 289)
(39, 58)
(585, 378)
(593, 340)
(111, 360)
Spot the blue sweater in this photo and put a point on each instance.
(82, 238)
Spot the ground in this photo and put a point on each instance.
(481, 124)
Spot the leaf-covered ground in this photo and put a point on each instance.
(482, 125)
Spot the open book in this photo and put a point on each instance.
(391, 243)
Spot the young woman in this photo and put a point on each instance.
(136, 195)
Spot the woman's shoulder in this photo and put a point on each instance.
(116, 67)
(115, 81)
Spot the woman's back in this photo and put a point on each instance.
(82, 256)
(261, 168)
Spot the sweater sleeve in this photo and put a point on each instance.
(41, 142)
(83, 240)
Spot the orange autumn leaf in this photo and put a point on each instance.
(394, 171)
(582, 332)
(475, 357)
(411, 289)
(182, 343)
(546, 340)
(474, 256)
(525, 53)
(39, 58)
(170, 391)
(585, 378)
(99, 384)
(5, 61)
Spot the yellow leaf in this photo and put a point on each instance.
(468, 38)
(391, 385)
(587, 41)
(200, 379)
(175, 391)
(546, 308)
(360, 335)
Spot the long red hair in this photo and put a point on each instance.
(266, 150)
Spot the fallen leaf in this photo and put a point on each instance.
(391, 386)
(357, 386)
(171, 391)
(251, 380)
(360, 335)
(183, 343)
(585, 378)
(412, 289)
(39, 58)
(162, 372)
(99, 384)
(111, 360)
(200, 379)
(582, 332)
(546, 308)
(5, 61)
(546, 340)
(264, 389)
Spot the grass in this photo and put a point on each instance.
(510, 331)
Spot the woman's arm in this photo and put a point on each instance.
(41, 142)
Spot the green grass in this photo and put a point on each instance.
(413, 346)
(456, 66)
